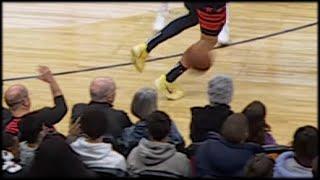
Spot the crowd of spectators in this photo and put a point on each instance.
(103, 142)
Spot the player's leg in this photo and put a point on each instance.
(210, 25)
(162, 15)
(140, 52)
(224, 35)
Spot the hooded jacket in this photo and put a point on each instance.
(26, 154)
(132, 135)
(157, 156)
(99, 155)
(287, 166)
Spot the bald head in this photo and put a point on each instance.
(103, 89)
(235, 129)
(16, 95)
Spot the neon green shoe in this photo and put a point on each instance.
(170, 90)
(138, 56)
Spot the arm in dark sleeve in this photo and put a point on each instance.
(126, 122)
(77, 111)
(55, 114)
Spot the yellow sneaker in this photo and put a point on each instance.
(138, 56)
(170, 90)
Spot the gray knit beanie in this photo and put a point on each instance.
(220, 89)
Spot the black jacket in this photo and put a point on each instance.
(47, 115)
(208, 118)
(118, 119)
(217, 157)
(6, 117)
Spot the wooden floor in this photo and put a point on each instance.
(280, 71)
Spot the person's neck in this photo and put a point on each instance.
(20, 112)
(33, 145)
(98, 140)
(304, 162)
(164, 140)
(102, 102)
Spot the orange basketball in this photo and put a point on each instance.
(198, 58)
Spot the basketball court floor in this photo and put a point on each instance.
(280, 70)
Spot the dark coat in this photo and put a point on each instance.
(208, 118)
(216, 157)
(118, 119)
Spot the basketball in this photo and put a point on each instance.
(198, 58)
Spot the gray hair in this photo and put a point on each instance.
(144, 102)
(220, 89)
(101, 88)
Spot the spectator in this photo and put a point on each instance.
(19, 103)
(259, 165)
(226, 155)
(102, 92)
(32, 128)
(55, 158)
(259, 130)
(298, 163)
(145, 101)
(212, 116)
(315, 171)
(93, 152)
(157, 154)
(10, 156)
(6, 117)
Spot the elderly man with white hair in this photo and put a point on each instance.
(102, 93)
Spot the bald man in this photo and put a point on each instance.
(102, 93)
(19, 104)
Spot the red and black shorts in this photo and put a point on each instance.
(211, 19)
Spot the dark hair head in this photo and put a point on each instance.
(93, 123)
(8, 140)
(11, 144)
(30, 127)
(55, 158)
(259, 165)
(255, 113)
(305, 142)
(235, 128)
(159, 124)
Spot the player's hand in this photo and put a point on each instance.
(45, 74)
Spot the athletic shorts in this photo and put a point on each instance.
(211, 18)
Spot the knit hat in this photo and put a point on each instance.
(220, 89)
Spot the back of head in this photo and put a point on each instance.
(30, 128)
(305, 142)
(93, 123)
(255, 113)
(8, 141)
(159, 124)
(144, 102)
(220, 89)
(235, 128)
(102, 89)
(260, 165)
(55, 158)
(16, 95)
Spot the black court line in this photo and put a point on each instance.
(167, 57)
